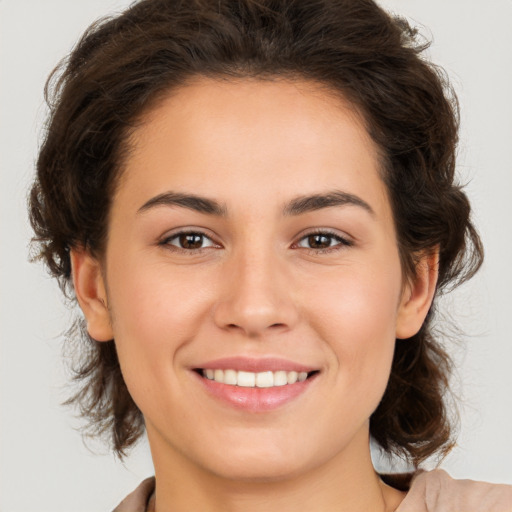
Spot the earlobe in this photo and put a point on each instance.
(91, 294)
(417, 296)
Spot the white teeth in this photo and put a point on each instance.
(292, 377)
(245, 379)
(280, 378)
(251, 380)
(230, 377)
(264, 380)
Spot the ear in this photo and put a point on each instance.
(91, 293)
(417, 296)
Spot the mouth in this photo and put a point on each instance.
(255, 385)
(245, 379)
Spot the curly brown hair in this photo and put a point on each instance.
(122, 65)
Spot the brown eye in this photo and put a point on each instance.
(190, 240)
(319, 241)
(322, 241)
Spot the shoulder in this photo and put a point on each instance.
(138, 500)
(436, 491)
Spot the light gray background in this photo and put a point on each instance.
(43, 464)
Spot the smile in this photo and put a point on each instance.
(255, 385)
(267, 379)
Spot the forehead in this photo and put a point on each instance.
(231, 138)
(207, 103)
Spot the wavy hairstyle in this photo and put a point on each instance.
(120, 68)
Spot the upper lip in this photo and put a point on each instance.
(251, 364)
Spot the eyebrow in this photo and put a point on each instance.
(190, 201)
(297, 206)
(314, 202)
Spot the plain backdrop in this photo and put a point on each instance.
(44, 465)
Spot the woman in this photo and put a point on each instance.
(254, 205)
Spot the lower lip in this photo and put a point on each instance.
(256, 399)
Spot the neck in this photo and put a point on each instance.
(344, 483)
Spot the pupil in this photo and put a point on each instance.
(319, 241)
(191, 241)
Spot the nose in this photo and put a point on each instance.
(256, 296)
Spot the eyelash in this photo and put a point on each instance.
(166, 242)
(342, 242)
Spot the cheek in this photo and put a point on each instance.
(357, 318)
(155, 312)
(147, 297)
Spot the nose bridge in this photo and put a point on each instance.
(256, 295)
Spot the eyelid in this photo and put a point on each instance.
(343, 239)
(164, 240)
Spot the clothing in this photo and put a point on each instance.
(430, 491)
(139, 500)
(436, 491)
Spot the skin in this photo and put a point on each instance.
(256, 288)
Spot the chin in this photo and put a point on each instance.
(259, 471)
(258, 463)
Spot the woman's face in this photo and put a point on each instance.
(251, 236)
